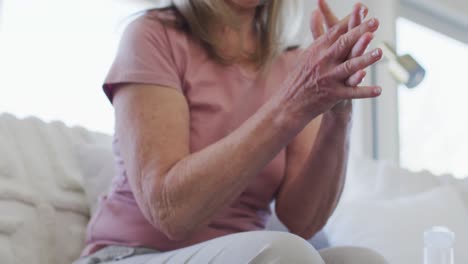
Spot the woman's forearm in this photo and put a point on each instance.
(199, 185)
(307, 199)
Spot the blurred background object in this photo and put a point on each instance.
(405, 69)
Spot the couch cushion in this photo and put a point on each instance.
(43, 210)
(370, 179)
(97, 166)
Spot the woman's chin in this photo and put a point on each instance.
(246, 3)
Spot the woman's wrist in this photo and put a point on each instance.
(340, 119)
(286, 117)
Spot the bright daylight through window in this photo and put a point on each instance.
(55, 54)
(433, 119)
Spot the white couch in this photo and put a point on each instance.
(51, 176)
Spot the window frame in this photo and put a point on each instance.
(381, 113)
(1, 14)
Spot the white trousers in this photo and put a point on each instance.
(256, 247)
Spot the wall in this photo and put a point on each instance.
(1, 13)
(454, 10)
(447, 16)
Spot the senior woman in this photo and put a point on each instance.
(215, 119)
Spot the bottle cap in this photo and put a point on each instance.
(439, 237)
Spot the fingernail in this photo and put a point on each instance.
(362, 12)
(372, 22)
(376, 53)
(377, 90)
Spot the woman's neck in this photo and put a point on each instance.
(246, 27)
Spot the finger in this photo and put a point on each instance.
(352, 66)
(361, 46)
(316, 24)
(342, 47)
(360, 12)
(356, 78)
(363, 12)
(330, 19)
(355, 18)
(337, 31)
(361, 92)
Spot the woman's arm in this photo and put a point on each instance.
(315, 174)
(317, 157)
(178, 191)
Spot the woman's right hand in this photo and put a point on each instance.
(319, 81)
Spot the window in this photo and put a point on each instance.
(433, 117)
(54, 55)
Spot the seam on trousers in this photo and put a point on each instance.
(217, 254)
(170, 257)
(194, 253)
(262, 253)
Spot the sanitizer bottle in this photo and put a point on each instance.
(438, 246)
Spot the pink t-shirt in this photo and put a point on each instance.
(220, 99)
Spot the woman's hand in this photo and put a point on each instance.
(325, 16)
(325, 70)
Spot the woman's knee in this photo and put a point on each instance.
(352, 255)
(282, 247)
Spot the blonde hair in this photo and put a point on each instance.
(277, 23)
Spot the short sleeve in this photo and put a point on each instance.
(144, 56)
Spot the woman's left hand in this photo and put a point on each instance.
(325, 16)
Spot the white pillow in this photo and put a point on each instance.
(361, 177)
(97, 166)
(370, 179)
(460, 184)
(396, 182)
(463, 187)
(395, 227)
